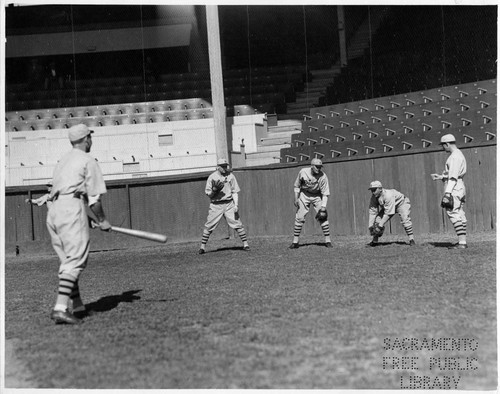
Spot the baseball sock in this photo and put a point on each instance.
(460, 229)
(66, 285)
(297, 228)
(243, 235)
(76, 299)
(204, 238)
(409, 231)
(325, 226)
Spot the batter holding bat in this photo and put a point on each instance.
(77, 182)
(311, 188)
(222, 189)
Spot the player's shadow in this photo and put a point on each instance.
(442, 244)
(391, 243)
(227, 248)
(107, 303)
(312, 244)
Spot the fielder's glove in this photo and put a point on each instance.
(217, 185)
(447, 201)
(322, 215)
(377, 230)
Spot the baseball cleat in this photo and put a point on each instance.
(294, 246)
(458, 246)
(64, 317)
(201, 251)
(372, 244)
(328, 245)
(247, 248)
(412, 242)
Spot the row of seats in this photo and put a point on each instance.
(140, 90)
(108, 109)
(476, 89)
(394, 144)
(400, 113)
(109, 120)
(432, 123)
(278, 98)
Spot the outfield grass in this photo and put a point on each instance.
(312, 318)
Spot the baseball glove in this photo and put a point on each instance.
(217, 185)
(322, 215)
(377, 231)
(447, 201)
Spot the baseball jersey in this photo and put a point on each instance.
(312, 184)
(77, 171)
(230, 186)
(455, 166)
(388, 200)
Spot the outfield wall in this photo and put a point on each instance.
(177, 206)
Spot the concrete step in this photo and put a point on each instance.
(325, 74)
(313, 89)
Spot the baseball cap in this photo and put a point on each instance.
(316, 162)
(447, 138)
(79, 131)
(222, 162)
(375, 184)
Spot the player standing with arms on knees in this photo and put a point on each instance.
(311, 187)
(77, 182)
(384, 204)
(453, 200)
(222, 189)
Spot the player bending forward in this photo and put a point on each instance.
(222, 189)
(384, 204)
(311, 187)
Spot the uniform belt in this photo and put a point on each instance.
(76, 195)
(222, 201)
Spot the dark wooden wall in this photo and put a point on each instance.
(178, 207)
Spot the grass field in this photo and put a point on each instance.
(164, 317)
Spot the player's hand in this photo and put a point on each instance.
(296, 203)
(105, 225)
(27, 201)
(236, 208)
(436, 177)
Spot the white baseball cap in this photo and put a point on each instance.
(447, 138)
(79, 131)
(316, 162)
(375, 184)
(222, 162)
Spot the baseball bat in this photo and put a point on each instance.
(140, 234)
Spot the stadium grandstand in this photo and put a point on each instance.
(170, 88)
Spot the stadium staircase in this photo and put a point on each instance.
(315, 90)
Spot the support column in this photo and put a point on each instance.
(217, 83)
(342, 40)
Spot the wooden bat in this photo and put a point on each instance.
(135, 233)
(140, 234)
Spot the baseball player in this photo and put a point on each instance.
(384, 204)
(454, 188)
(77, 183)
(311, 188)
(222, 189)
(41, 200)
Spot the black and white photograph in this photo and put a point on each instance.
(254, 196)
